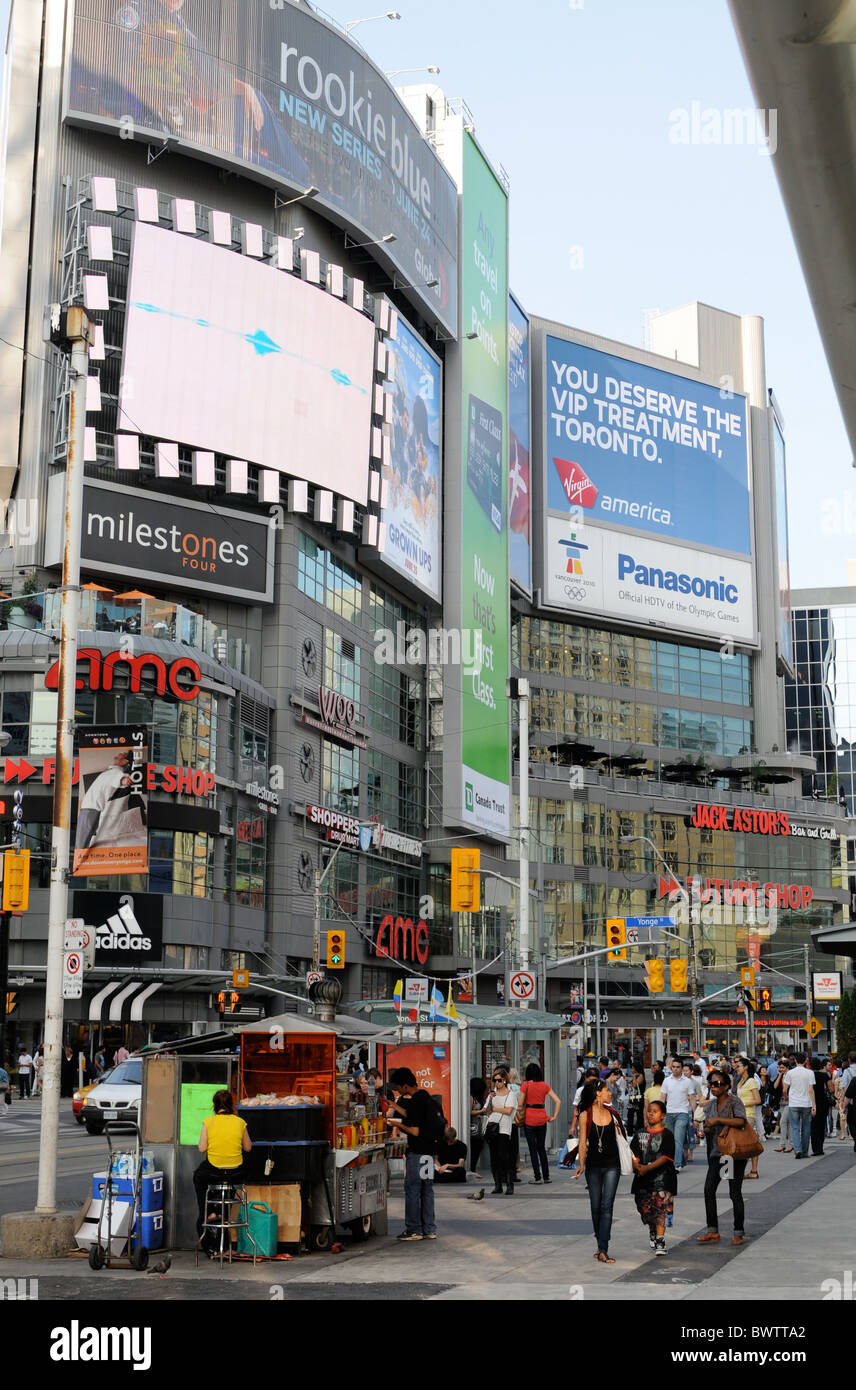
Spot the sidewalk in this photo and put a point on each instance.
(538, 1245)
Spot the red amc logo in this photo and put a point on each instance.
(101, 669)
(397, 937)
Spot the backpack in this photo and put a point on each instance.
(438, 1122)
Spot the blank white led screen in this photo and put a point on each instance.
(225, 354)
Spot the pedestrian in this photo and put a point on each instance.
(799, 1085)
(223, 1141)
(749, 1092)
(534, 1094)
(834, 1074)
(501, 1109)
(600, 1160)
(450, 1160)
(678, 1091)
(693, 1073)
(38, 1065)
(780, 1092)
(849, 1101)
(514, 1087)
(822, 1100)
(25, 1074)
(724, 1111)
(417, 1115)
(5, 1088)
(636, 1098)
(841, 1106)
(67, 1073)
(655, 1090)
(120, 1055)
(654, 1179)
(100, 1063)
(617, 1083)
(591, 1074)
(478, 1099)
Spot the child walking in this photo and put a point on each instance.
(655, 1181)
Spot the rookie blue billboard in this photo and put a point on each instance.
(412, 469)
(641, 449)
(519, 435)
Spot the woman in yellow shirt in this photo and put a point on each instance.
(224, 1141)
(749, 1092)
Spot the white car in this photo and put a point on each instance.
(118, 1098)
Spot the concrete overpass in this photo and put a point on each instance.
(801, 59)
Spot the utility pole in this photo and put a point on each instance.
(598, 1045)
(5, 923)
(808, 998)
(523, 752)
(74, 333)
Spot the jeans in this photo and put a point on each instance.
(536, 1138)
(735, 1192)
(678, 1123)
(785, 1125)
(501, 1161)
(800, 1127)
(418, 1195)
(24, 1085)
(602, 1184)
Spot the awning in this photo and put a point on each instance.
(96, 1003)
(836, 941)
(119, 999)
(137, 1005)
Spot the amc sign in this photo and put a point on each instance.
(397, 937)
(102, 667)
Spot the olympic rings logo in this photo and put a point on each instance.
(575, 592)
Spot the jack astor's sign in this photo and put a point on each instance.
(180, 678)
(754, 822)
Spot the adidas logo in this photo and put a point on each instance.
(122, 932)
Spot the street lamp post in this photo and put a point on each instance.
(644, 839)
(369, 19)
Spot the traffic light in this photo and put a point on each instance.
(678, 976)
(466, 864)
(16, 880)
(656, 976)
(751, 1001)
(335, 950)
(616, 935)
(766, 1000)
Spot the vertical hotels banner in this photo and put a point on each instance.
(484, 774)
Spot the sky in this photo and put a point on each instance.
(610, 219)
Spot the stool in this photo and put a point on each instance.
(220, 1198)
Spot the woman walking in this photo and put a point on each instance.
(749, 1092)
(599, 1160)
(501, 1107)
(780, 1092)
(724, 1111)
(636, 1099)
(654, 1178)
(478, 1096)
(822, 1102)
(534, 1094)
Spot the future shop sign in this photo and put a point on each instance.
(186, 781)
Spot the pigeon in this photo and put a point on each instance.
(476, 1196)
(161, 1267)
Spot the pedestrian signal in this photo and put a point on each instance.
(335, 950)
(616, 935)
(656, 976)
(465, 892)
(16, 880)
(766, 1000)
(678, 976)
(11, 1004)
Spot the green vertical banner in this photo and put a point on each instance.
(485, 790)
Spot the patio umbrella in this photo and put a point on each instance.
(98, 588)
(133, 596)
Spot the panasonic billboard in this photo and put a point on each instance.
(646, 489)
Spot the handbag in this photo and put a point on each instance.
(739, 1143)
(491, 1129)
(625, 1153)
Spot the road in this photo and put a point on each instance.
(536, 1245)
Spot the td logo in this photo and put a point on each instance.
(469, 797)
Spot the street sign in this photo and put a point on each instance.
(648, 923)
(313, 977)
(72, 975)
(240, 979)
(79, 937)
(416, 989)
(813, 1027)
(747, 976)
(631, 936)
(522, 985)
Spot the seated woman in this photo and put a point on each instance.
(224, 1140)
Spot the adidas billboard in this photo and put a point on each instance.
(128, 926)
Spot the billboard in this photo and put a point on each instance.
(519, 444)
(786, 648)
(225, 354)
(476, 750)
(129, 940)
(646, 483)
(411, 470)
(187, 545)
(111, 836)
(271, 88)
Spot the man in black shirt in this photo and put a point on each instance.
(420, 1121)
(450, 1164)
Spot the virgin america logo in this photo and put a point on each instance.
(579, 488)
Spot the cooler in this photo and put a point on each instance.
(151, 1231)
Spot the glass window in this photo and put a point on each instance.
(342, 662)
(340, 777)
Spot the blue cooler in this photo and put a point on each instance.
(151, 1231)
(123, 1188)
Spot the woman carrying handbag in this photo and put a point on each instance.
(604, 1156)
(726, 1119)
(501, 1108)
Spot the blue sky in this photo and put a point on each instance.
(574, 98)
